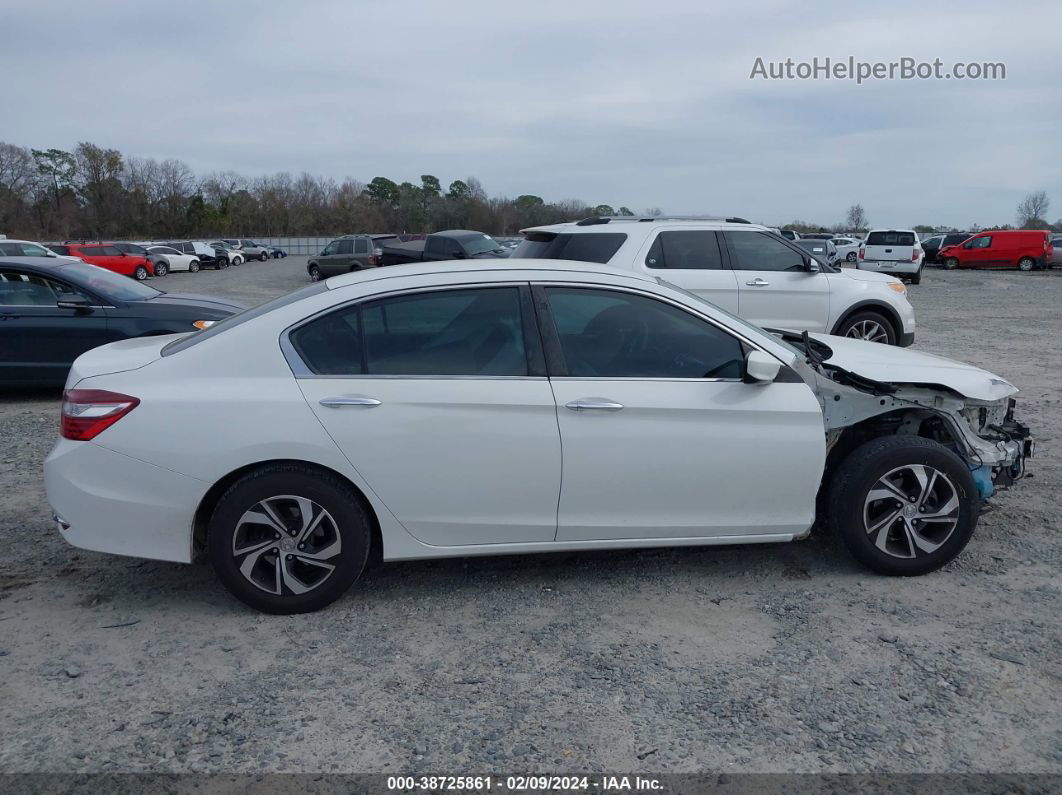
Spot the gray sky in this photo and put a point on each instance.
(628, 103)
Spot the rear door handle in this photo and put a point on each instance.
(594, 404)
(342, 401)
(758, 282)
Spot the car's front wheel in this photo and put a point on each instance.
(193, 266)
(951, 263)
(263, 257)
(903, 505)
(288, 539)
(315, 273)
(221, 263)
(140, 273)
(161, 268)
(870, 326)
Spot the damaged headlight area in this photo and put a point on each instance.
(985, 434)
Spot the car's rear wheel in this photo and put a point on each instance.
(1026, 264)
(903, 505)
(315, 273)
(161, 268)
(951, 263)
(221, 263)
(850, 256)
(193, 266)
(917, 277)
(264, 256)
(289, 539)
(140, 273)
(870, 326)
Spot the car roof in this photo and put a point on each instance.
(546, 267)
(36, 264)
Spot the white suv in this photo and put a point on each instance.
(743, 268)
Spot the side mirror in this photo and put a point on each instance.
(811, 265)
(76, 302)
(458, 254)
(761, 368)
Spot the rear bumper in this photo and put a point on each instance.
(889, 266)
(108, 502)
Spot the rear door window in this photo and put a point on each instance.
(690, 250)
(597, 247)
(345, 247)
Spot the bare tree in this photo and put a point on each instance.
(1032, 210)
(855, 219)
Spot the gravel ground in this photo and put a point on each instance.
(760, 658)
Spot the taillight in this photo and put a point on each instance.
(862, 253)
(88, 412)
(914, 255)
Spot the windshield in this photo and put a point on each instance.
(108, 283)
(481, 245)
(891, 239)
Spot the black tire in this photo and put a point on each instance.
(161, 268)
(315, 273)
(347, 520)
(850, 256)
(863, 470)
(917, 278)
(221, 263)
(951, 263)
(193, 266)
(863, 319)
(264, 257)
(237, 261)
(1026, 264)
(140, 273)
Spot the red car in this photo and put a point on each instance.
(1024, 249)
(107, 256)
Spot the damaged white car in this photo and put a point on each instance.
(498, 407)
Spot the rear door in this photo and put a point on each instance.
(439, 399)
(775, 288)
(362, 250)
(694, 260)
(38, 340)
(661, 436)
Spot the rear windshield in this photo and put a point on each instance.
(891, 239)
(588, 247)
(242, 317)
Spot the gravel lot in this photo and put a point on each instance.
(760, 658)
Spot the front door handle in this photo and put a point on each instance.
(594, 404)
(341, 401)
(758, 282)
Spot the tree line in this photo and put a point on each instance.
(99, 193)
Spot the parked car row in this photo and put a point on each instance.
(142, 259)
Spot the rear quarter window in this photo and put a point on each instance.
(597, 247)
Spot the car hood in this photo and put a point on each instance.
(199, 301)
(893, 365)
(865, 276)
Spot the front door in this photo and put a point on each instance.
(38, 340)
(776, 290)
(433, 398)
(661, 436)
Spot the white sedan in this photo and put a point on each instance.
(847, 249)
(484, 408)
(166, 259)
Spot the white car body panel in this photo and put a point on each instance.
(886, 363)
(697, 432)
(177, 261)
(454, 466)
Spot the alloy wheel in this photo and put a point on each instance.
(286, 544)
(911, 511)
(868, 330)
